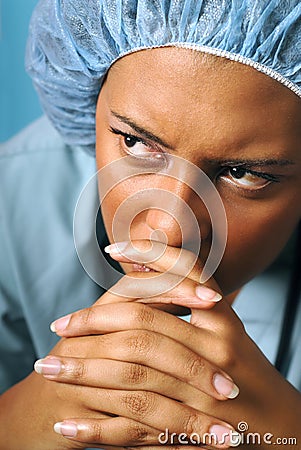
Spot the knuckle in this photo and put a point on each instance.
(139, 404)
(140, 342)
(137, 433)
(78, 371)
(191, 424)
(195, 366)
(134, 374)
(231, 329)
(143, 315)
(225, 357)
(96, 432)
(87, 316)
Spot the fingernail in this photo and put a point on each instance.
(113, 249)
(60, 324)
(66, 429)
(206, 294)
(222, 433)
(48, 366)
(225, 386)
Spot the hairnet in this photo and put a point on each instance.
(73, 43)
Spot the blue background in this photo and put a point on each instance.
(19, 104)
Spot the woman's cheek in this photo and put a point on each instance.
(255, 238)
(257, 231)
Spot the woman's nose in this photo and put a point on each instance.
(182, 218)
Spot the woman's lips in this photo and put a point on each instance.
(142, 268)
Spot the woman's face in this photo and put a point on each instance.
(240, 127)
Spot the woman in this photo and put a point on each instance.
(130, 373)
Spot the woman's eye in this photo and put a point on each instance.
(135, 146)
(245, 179)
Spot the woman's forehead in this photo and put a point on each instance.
(207, 104)
(185, 81)
(196, 72)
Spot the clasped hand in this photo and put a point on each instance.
(128, 373)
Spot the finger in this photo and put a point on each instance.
(143, 407)
(175, 290)
(117, 431)
(106, 373)
(168, 447)
(211, 327)
(160, 257)
(146, 285)
(120, 431)
(146, 348)
(219, 332)
(188, 294)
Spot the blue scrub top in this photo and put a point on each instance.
(41, 277)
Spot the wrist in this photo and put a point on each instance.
(279, 424)
(25, 420)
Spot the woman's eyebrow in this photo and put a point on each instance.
(262, 162)
(237, 162)
(141, 131)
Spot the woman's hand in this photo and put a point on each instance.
(268, 403)
(35, 404)
(28, 411)
(113, 373)
(148, 353)
(120, 354)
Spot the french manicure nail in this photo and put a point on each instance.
(222, 433)
(118, 247)
(206, 294)
(60, 324)
(48, 366)
(66, 429)
(225, 386)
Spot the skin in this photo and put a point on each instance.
(164, 367)
(204, 108)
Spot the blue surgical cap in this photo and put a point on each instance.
(73, 43)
